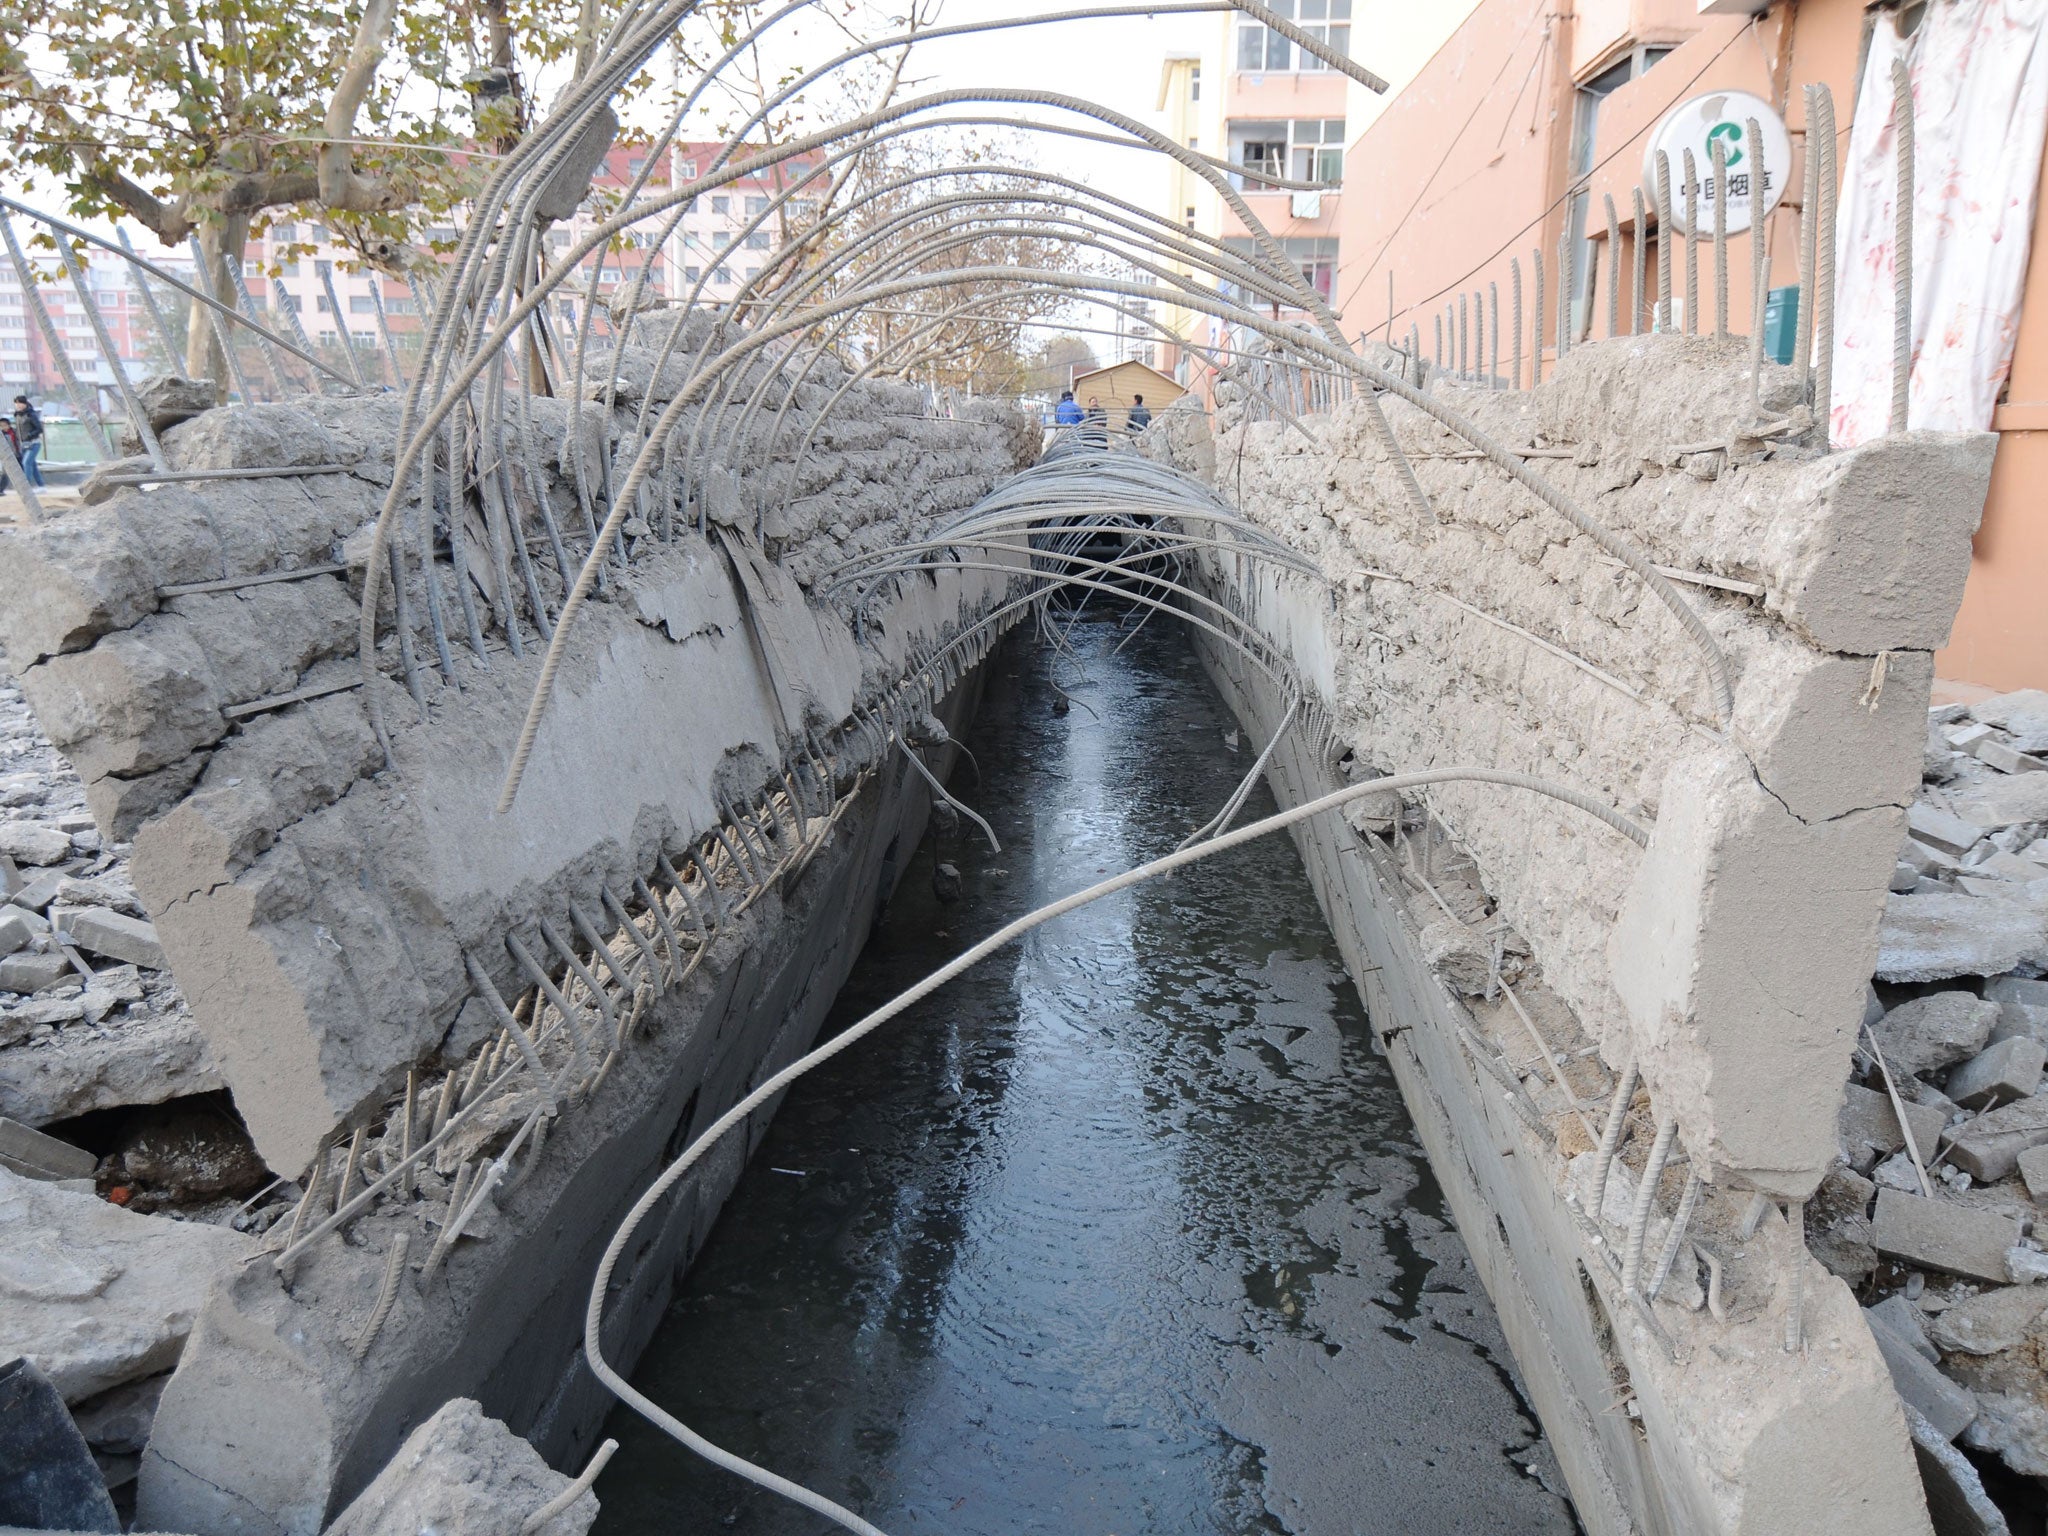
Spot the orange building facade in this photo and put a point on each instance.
(1502, 151)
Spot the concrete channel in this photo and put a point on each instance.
(1610, 865)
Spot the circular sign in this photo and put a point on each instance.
(1721, 117)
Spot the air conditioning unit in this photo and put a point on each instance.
(1306, 205)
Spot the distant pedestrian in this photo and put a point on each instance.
(1066, 413)
(1140, 417)
(1095, 425)
(28, 432)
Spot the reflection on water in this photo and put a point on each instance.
(1126, 1231)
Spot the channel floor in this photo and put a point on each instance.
(1126, 1231)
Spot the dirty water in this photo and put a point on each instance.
(1125, 1232)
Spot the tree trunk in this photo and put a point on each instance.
(221, 239)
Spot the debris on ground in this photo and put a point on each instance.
(1957, 1038)
(90, 1018)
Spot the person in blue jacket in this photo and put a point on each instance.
(1066, 413)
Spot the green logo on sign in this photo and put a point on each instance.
(1732, 132)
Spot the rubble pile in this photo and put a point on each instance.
(1933, 1210)
(90, 1018)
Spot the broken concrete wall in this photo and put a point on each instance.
(191, 649)
(1731, 960)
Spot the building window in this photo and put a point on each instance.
(692, 274)
(1195, 83)
(1317, 149)
(362, 304)
(722, 275)
(1259, 147)
(753, 273)
(756, 206)
(720, 239)
(636, 165)
(758, 240)
(1317, 258)
(686, 170)
(284, 232)
(1636, 62)
(721, 207)
(1262, 50)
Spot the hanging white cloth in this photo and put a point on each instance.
(1979, 72)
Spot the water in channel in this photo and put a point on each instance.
(1127, 1230)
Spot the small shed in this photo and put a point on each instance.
(1116, 386)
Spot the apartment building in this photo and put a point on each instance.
(27, 359)
(1258, 101)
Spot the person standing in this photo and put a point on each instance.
(1095, 425)
(1140, 417)
(1066, 413)
(28, 432)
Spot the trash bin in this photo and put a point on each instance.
(1781, 323)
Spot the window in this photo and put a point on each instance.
(1585, 140)
(1317, 149)
(290, 300)
(803, 207)
(758, 240)
(284, 232)
(1189, 217)
(321, 305)
(445, 233)
(1195, 83)
(753, 273)
(636, 165)
(1260, 147)
(722, 275)
(559, 239)
(398, 307)
(692, 274)
(721, 207)
(720, 239)
(13, 322)
(1259, 49)
(362, 304)
(1317, 258)
(686, 170)
(756, 206)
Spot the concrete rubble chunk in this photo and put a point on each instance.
(2023, 714)
(27, 842)
(28, 1152)
(1870, 1126)
(1989, 1322)
(1988, 1148)
(101, 931)
(15, 930)
(1936, 935)
(170, 399)
(1906, 1321)
(2013, 1427)
(1938, 1234)
(96, 1295)
(2006, 1070)
(38, 892)
(1938, 1030)
(1939, 830)
(1838, 1224)
(1956, 1499)
(2030, 990)
(2033, 1165)
(29, 974)
(2006, 758)
(1944, 1404)
(462, 1473)
(2005, 801)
